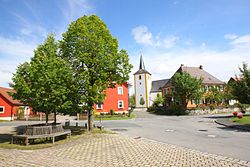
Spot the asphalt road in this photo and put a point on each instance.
(195, 132)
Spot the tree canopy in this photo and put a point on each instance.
(46, 82)
(185, 88)
(98, 64)
(241, 87)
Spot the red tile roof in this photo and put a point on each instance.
(5, 93)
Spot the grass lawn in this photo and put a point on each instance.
(114, 117)
(3, 121)
(244, 120)
(77, 132)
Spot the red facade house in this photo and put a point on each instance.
(116, 100)
(8, 106)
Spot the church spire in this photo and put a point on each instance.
(142, 65)
(142, 69)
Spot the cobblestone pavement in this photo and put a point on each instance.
(114, 150)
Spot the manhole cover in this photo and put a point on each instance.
(119, 130)
(137, 137)
(169, 130)
(203, 130)
(211, 136)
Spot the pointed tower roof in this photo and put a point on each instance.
(142, 69)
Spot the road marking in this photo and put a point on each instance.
(212, 136)
(169, 130)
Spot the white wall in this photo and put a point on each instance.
(142, 88)
(153, 97)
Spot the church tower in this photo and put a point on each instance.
(142, 85)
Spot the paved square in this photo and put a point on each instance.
(114, 150)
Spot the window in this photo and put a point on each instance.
(206, 88)
(1, 109)
(120, 90)
(139, 77)
(120, 104)
(221, 88)
(99, 106)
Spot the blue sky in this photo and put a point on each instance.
(167, 33)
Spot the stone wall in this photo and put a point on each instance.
(215, 111)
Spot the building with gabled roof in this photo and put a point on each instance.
(208, 81)
(8, 106)
(116, 99)
(156, 89)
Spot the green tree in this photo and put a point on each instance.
(158, 100)
(46, 83)
(132, 101)
(98, 64)
(142, 101)
(214, 95)
(185, 88)
(241, 87)
(227, 93)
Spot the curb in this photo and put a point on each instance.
(232, 126)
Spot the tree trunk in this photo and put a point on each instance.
(90, 120)
(47, 117)
(55, 117)
(184, 102)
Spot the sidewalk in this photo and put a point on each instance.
(115, 150)
(225, 121)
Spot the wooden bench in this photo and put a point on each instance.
(41, 131)
(25, 138)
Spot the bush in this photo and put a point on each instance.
(211, 107)
(151, 109)
(112, 112)
(20, 113)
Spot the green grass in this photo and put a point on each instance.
(77, 133)
(4, 121)
(244, 120)
(115, 117)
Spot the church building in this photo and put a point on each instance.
(142, 85)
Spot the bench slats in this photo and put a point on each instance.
(53, 135)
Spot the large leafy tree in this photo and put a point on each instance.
(98, 64)
(215, 96)
(241, 87)
(46, 83)
(185, 88)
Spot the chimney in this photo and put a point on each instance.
(201, 67)
(182, 65)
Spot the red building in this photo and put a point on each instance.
(8, 106)
(116, 100)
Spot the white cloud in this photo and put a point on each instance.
(242, 41)
(142, 35)
(221, 64)
(73, 9)
(230, 36)
(30, 29)
(16, 47)
(170, 41)
(12, 53)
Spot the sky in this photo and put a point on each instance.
(167, 33)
